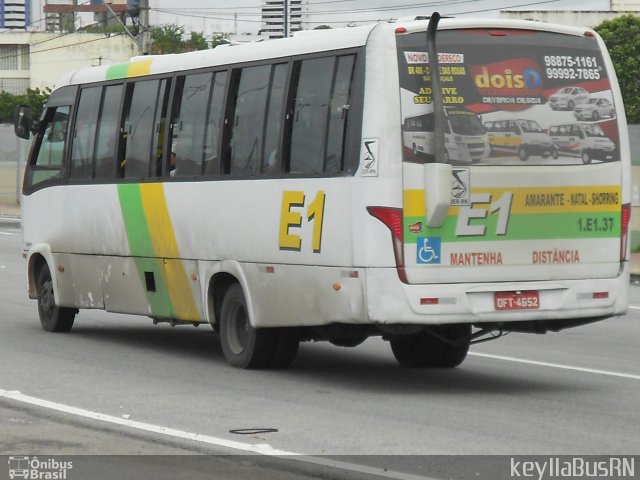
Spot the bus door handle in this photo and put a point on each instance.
(437, 192)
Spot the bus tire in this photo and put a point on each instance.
(586, 157)
(52, 317)
(242, 345)
(425, 350)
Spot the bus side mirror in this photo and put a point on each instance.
(22, 122)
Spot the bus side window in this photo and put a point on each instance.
(107, 132)
(84, 135)
(271, 155)
(339, 105)
(248, 118)
(47, 165)
(160, 128)
(188, 124)
(138, 131)
(214, 125)
(310, 115)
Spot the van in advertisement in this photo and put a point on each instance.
(584, 140)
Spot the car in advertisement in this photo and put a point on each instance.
(594, 109)
(568, 97)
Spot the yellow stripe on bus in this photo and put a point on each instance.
(165, 246)
(139, 68)
(587, 199)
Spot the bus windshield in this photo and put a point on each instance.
(593, 131)
(464, 123)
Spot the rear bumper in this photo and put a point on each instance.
(391, 301)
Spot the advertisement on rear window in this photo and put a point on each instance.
(510, 97)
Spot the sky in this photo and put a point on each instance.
(243, 16)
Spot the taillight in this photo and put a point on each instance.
(625, 219)
(392, 218)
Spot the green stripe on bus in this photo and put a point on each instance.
(141, 249)
(117, 71)
(524, 227)
(135, 222)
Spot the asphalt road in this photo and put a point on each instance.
(119, 385)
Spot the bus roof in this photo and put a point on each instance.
(301, 43)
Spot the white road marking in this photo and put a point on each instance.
(634, 307)
(7, 233)
(262, 449)
(557, 365)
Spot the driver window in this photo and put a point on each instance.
(52, 141)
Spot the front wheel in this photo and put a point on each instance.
(586, 157)
(523, 154)
(52, 317)
(253, 348)
(446, 349)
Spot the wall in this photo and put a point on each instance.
(54, 55)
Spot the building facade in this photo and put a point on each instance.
(39, 59)
(273, 17)
(15, 14)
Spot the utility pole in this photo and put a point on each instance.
(144, 34)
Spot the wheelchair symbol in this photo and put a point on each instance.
(428, 250)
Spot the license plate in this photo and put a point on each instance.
(520, 300)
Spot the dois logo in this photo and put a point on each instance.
(513, 77)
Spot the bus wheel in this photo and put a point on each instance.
(554, 154)
(426, 350)
(52, 317)
(595, 116)
(586, 158)
(243, 346)
(522, 154)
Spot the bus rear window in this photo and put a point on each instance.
(502, 92)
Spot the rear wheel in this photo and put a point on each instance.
(247, 347)
(52, 317)
(426, 350)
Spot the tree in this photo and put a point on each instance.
(167, 39)
(219, 39)
(622, 37)
(34, 98)
(197, 42)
